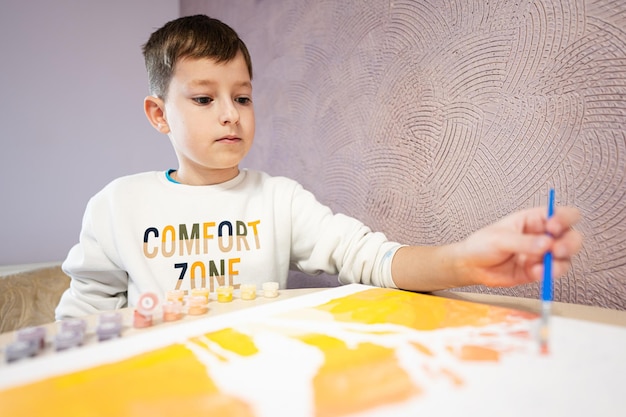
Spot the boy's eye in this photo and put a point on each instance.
(243, 100)
(202, 100)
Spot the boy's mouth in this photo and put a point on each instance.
(229, 139)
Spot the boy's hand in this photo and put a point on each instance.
(510, 251)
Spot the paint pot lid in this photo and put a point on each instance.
(31, 334)
(78, 325)
(270, 286)
(147, 303)
(67, 339)
(110, 317)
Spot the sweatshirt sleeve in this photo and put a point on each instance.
(97, 283)
(338, 244)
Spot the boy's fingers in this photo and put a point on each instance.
(559, 268)
(564, 218)
(568, 245)
(564, 247)
(523, 243)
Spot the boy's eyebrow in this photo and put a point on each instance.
(209, 83)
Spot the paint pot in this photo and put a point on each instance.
(175, 295)
(68, 338)
(20, 349)
(109, 326)
(141, 320)
(110, 317)
(224, 294)
(200, 292)
(142, 316)
(75, 325)
(248, 291)
(197, 306)
(270, 289)
(108, 330)
(36, 335)
(172, 311)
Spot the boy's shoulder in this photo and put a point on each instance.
(278, 183)
(135, 180)
(252, 175)
(130, 185)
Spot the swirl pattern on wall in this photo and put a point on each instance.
(429, 119)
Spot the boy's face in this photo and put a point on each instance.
(209, 118)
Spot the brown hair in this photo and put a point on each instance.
(196, 36)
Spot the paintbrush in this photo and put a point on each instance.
(546, 288)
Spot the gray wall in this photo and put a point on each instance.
(429, 119)
(72, 83)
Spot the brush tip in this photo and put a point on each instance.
(543, 339)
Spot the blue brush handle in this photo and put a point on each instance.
(546, 284)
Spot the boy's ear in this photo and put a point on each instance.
(154, 108)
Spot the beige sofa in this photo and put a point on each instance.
(29, 298)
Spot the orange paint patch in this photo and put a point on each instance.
(476, 353)
(451, 376)
(522, 334)
(357, 379)
(454, 378)
(164, 382)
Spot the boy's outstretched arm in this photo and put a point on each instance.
(503, 254)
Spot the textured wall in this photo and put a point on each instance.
(429, 119)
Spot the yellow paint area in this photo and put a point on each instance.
(234, 341)
(163, 382)
(414, 310)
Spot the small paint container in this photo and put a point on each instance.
(270, 289)
(224, 294)
(108, 330)
(146, 304)
(141, 320)
(248, 291)
(75, 325)
(197, 306)
(67, 339)
(200, 292)
(109, 325)
(20, 349)
(172, 311)
(36, 335)
(110, 317)
(175, 295)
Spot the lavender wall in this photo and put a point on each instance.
(72, 83)
(429, 119)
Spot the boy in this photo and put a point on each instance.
(209, 223)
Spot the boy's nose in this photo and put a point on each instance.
(229, 114)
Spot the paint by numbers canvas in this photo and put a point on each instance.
(347, 351)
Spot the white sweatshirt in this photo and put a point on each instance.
(145, 233)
